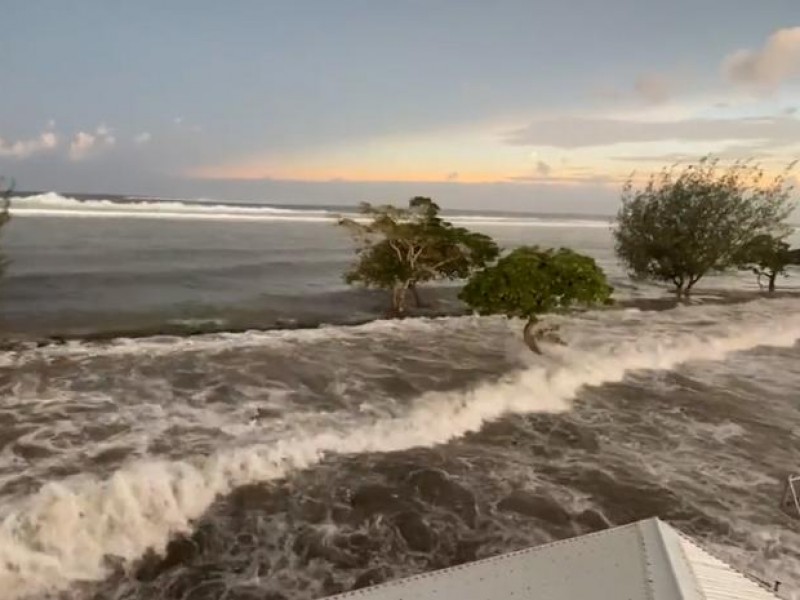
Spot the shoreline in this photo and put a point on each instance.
(443, 302)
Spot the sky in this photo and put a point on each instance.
(512, 105)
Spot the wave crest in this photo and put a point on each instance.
(52, 204)
(67, 531)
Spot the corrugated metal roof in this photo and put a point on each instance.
(647, 560)
(719, 580)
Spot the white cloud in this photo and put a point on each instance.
(85, 145)
(177, 120)
(25, 148)
(143, 137)
(81, 145)
(776, 62)
(583, 132)
(105, 135)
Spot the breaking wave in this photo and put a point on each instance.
(70, 530)
(52, 204)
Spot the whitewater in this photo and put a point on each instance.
(464, 377)
(52, 204)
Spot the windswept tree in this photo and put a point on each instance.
(767, 257)
(531, 281)
(687, 222)
(399, 248)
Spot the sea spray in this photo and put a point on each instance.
(70, 530)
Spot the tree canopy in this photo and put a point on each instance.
(531, 281)
(684, 223)
(768, 257)
(399, 248)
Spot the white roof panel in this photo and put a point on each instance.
(648, 560)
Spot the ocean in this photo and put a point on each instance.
(218, 416)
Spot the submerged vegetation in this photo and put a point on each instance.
(767, 257)
(532, 281)
(6, 189)
(400, 248)
(680, 226)
(686, 223)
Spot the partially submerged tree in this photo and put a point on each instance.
(767, 257)
(684, 223)
(6, 189)
(531, 281)
(397, 249)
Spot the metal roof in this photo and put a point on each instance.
(647, 560)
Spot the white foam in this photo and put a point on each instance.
(52, 204)
(65, 532)
(525, 221)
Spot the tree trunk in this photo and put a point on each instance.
(415, 295)
(529, 335)
(399, 300)
(772, 277)
(690, 285)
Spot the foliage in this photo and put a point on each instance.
(531, 281)
(684, 223)
(6, 189)
(398, 248)
(768, 257)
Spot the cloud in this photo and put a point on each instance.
(452, 176)
(543, 169)
(743, 152)
(648, 88)
(654, 88)
(776, 62)
(25, 148)
(177, 120)
(576, 178)
(81, 145)
(568, 174)
(85, 145)
(584, 132)
(143, 137)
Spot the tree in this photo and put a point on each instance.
(768, 257)
(397, 249)
(531, 281)
(6, 189)
(684, 223)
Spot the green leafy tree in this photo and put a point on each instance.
(767, 257)
(684, 223)
(400, 248)
(531, 281)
